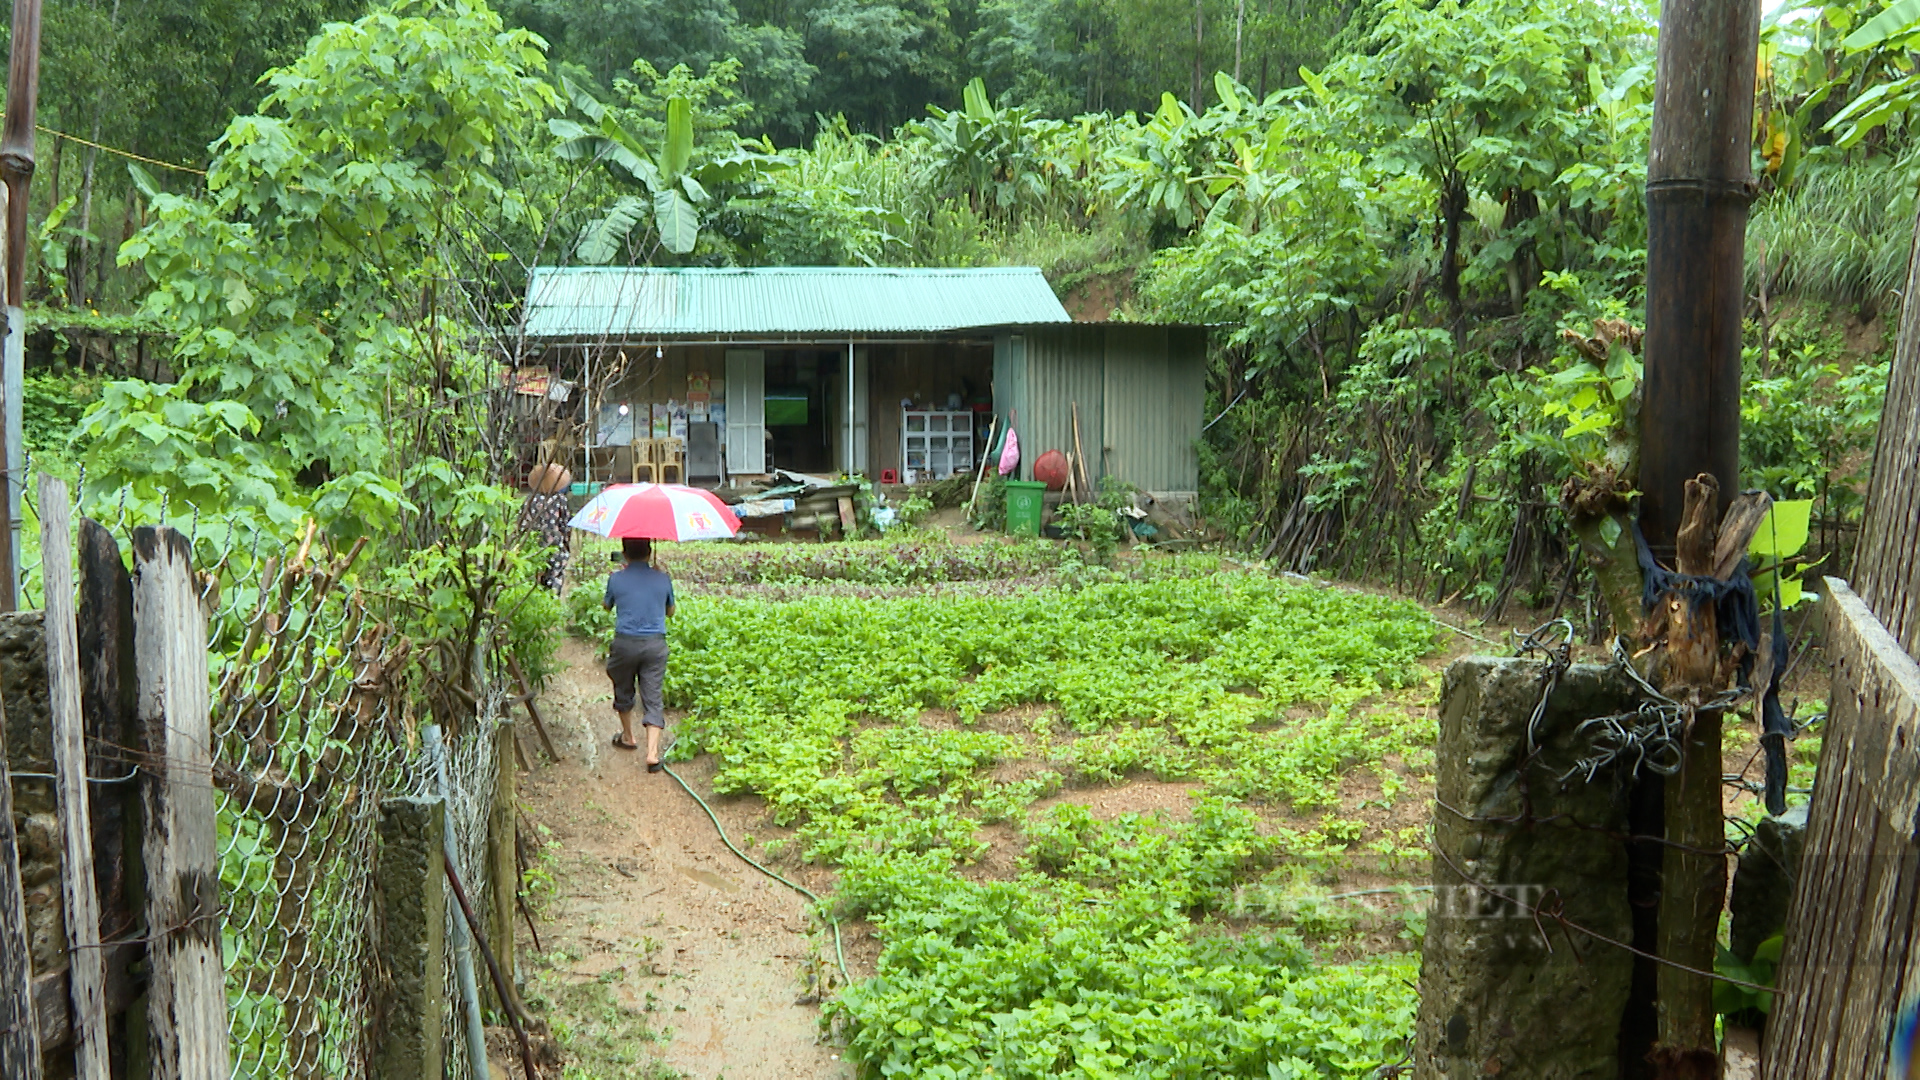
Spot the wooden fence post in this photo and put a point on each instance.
(105, 617)
(86, 976)
(186, 995)
(19, 1031)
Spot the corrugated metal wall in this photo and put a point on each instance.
(1140, 389)
(1186, 408)
(1009, 379)
(1063, 367)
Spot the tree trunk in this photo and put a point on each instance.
(1694, 867)
(1699, 179)
(1199, 52)
(1615, 566)
(1239, 32)
(77, 262)
(1453, 211)
(1523, 272)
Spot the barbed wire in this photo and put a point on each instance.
(1653, 735)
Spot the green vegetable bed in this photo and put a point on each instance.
(876, 727)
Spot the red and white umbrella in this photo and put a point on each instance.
(657, 512)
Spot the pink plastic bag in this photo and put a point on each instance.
(1010, 454)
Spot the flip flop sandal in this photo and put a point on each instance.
(656, 766)
(618, 745)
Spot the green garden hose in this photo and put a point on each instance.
(838, 952)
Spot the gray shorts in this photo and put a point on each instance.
(642, 660)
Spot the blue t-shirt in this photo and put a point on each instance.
(639, 596)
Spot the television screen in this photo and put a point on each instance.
(786, 408)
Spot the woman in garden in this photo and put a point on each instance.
(641, 598)
(544, 515)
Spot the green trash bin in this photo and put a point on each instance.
(1025, 507)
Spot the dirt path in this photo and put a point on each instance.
(656, 942)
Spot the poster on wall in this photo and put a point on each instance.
(614, 426)
(531, 380)
(662, 420)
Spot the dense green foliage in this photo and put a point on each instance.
(158, 79)
(1091, 965)
(879, 63)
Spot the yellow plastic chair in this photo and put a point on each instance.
(670, 460)
(645, 471)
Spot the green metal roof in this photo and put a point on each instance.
(788, 301)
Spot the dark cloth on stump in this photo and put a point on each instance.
(641, 660)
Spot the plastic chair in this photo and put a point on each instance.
(670, 460)
(645, 470)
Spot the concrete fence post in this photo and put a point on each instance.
(411, 880)
(1518, 841)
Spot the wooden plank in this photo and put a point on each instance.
(1856, 1053)
(1828, 972)
(1860, 835)
(1879, 960)
(1888, 552)
(1870, 663)
(1814, 978)
(1803, 975)
(105, 617)
(87, 975)
(186, 993)
(19, 1031)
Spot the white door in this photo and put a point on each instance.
(746, 411)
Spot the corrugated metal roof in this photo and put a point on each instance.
(645, 302)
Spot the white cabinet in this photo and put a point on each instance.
(936, 444)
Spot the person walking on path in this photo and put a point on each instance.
(545, 514)
(641, 598)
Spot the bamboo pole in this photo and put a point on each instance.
(980, 473)
(1699, 180)
(1079, 452)
(16, 167)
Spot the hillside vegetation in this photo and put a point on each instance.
(1404, 240)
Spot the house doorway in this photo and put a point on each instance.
(800, 408)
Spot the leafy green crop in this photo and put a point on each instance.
(1104, 958)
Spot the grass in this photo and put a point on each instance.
(1840, 234)
(602, 1039)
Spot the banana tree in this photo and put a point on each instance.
(674, 187)
(998, 158)
(1889, 41)
(1180, 161)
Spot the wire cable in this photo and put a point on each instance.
(122, 153)
(838, 952)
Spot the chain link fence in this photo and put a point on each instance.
(314, 726)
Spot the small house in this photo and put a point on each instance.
(897, 374)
